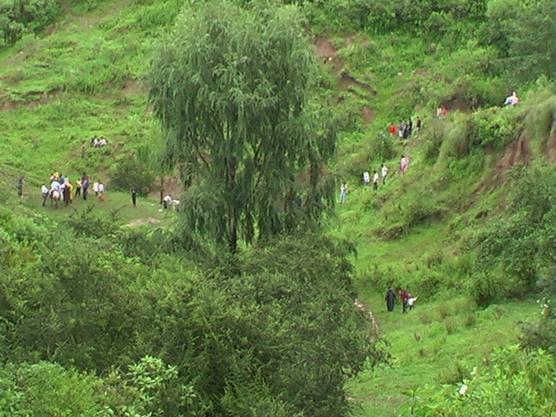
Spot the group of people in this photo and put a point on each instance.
(379, 177)
(62, 189)
(405, 128)
(408, 301)
(99, 142)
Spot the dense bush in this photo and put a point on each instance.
(130, 173)
(542, 333)
(18, 17)
(512, 383)
(513, 250)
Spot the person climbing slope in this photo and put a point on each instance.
(404, 164)
(366, 179)
(383, 173)
(376, 179)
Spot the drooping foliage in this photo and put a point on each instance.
(232, 89)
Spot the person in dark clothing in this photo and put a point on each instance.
(20, 183)
(418, 124)
(134, 197)
(409, 127)
(85, 185)
(390, 299)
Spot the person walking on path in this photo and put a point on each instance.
(383, 173)
(85, 185)
(134, 197)
(343, 192)
(20, 184)
(390, 299)
(376, 180)
(366, 179)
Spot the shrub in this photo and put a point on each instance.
(20, 16)
(130, 173)
(514, 383)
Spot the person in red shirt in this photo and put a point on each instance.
(404, 297)
(393, 129)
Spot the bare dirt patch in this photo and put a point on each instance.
(143, 222)
(551, 148)
(367, 114)
(7, 104)
(329, 54)
(133, 87)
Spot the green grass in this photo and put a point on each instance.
(147, 211)
(88, 78)
(425, 354)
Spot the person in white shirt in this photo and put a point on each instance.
(45, 192)
(376, 179)
(101, 191)
(366, 179)
(383, 173)
(343, 192)
(512, 100)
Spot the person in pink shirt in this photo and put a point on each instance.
(404, 164)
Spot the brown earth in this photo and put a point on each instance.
(367, 114)
(7, 104)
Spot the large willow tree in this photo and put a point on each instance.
(232, 88)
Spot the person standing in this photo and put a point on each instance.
(393, 129)
(134, 197)
(45, 192)
(376, 180)
(366, 179)
(404, 297)
(404, 164)
(100, 191)
(401, 130)
(85, 185)
(20, 183)
(409, 127)
(417, 125)
(383, 173)
(78, 188)
(390, 299)
(343, 192)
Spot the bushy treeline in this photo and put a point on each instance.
(18, 17)
(512, 383)
(128, 324)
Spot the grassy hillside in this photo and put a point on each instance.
(468, 229)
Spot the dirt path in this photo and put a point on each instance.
(328, 53)
(142, 222)
(372, 319)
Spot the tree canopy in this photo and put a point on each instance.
(232, 88)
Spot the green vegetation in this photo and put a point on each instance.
(243, 131)
(110, 310)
